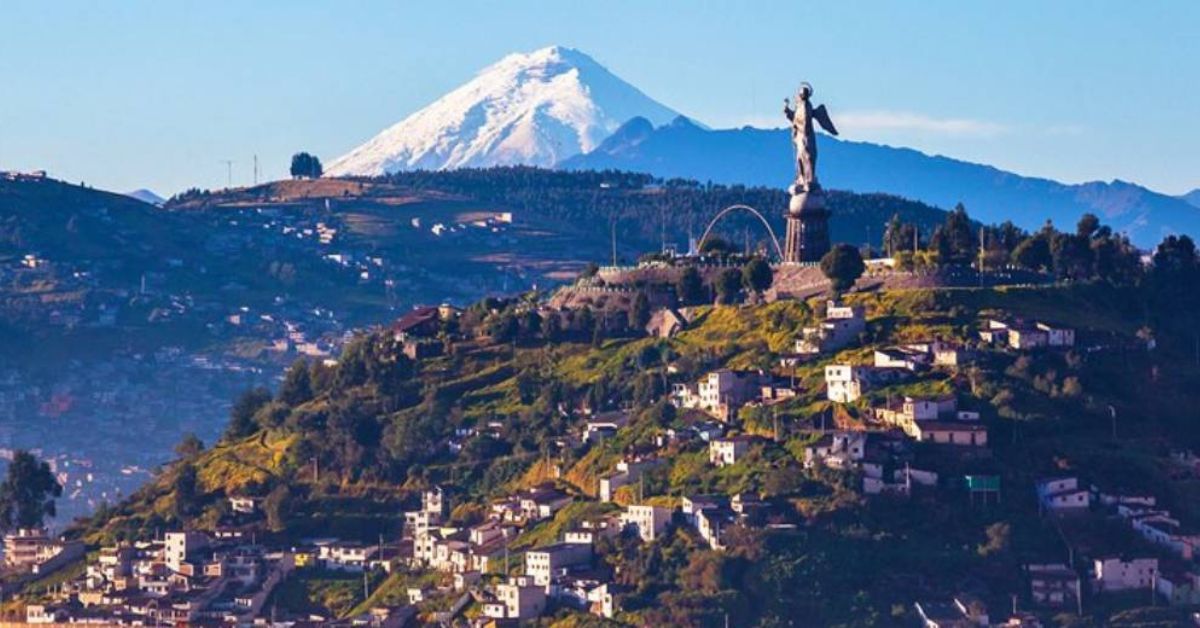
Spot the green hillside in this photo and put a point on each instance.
(344, 449)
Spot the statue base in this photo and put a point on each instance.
(807, 226)
(806, 201)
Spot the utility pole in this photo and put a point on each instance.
(228, 172)
(256, 170)
(613, 227)
(982, 247)
(1112, 411)
(662, 228)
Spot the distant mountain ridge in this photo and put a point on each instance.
(531, 109)
(753, 156)
(1192, 197)
(558, 107)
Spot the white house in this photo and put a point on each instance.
(947, 354)
(243, 505)
(648, 522)
(1053, 584)
(728, 450)
(721, 392)
(907, 357)
(1057, 336)
(912, 410)
(1120, 574)
(710, 515)
(628, 472)
(544, 563)
(963, 433)
(839, 450)
(519, 599)
(845, 383)
(346, 555)
(179, 546)
(1178, 587)
(841, 326)
(542, 502)
(1063, 495)
(1168, 533)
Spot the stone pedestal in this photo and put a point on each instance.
(807, 227)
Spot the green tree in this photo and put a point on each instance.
(190, 446)
(553, 328)
(527, 386)
(1176, 262)
(843, 265)
(1116, 260)
(276, 507)
(185, 491)
(955, 240)
(1033, 253)
(1088, 225)
(893, 239)
(639, 316)
(584, 322)
(1072, 256)
(999, 537)
(305, 165)
(1173, 278)
(1008, 235)
(296, 388)
(504, 327)
(757, 275)
(690, 288)
(717, 247)
(729, 284)
(241, 415)
(28, 492)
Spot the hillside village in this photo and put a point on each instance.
(113, 303)
(884, 316)
(712, 431)
(1000, 426)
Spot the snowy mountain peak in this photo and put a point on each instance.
(534, 108)
(146, 196)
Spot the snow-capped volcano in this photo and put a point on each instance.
(534, 109)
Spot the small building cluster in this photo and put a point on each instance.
(184, 577)
(1021, 335)
(842, 326)
(723, 392)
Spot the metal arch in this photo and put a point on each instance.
(755, 212)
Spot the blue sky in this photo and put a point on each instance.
(156, 94)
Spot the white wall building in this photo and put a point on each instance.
(649, 522)
(845, 383)
(1119, 574)
(1063, 495)
(727, 451)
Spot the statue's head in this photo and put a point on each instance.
(804, 91)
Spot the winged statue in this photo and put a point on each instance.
(804, 137)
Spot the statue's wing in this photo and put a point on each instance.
(822, 116)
